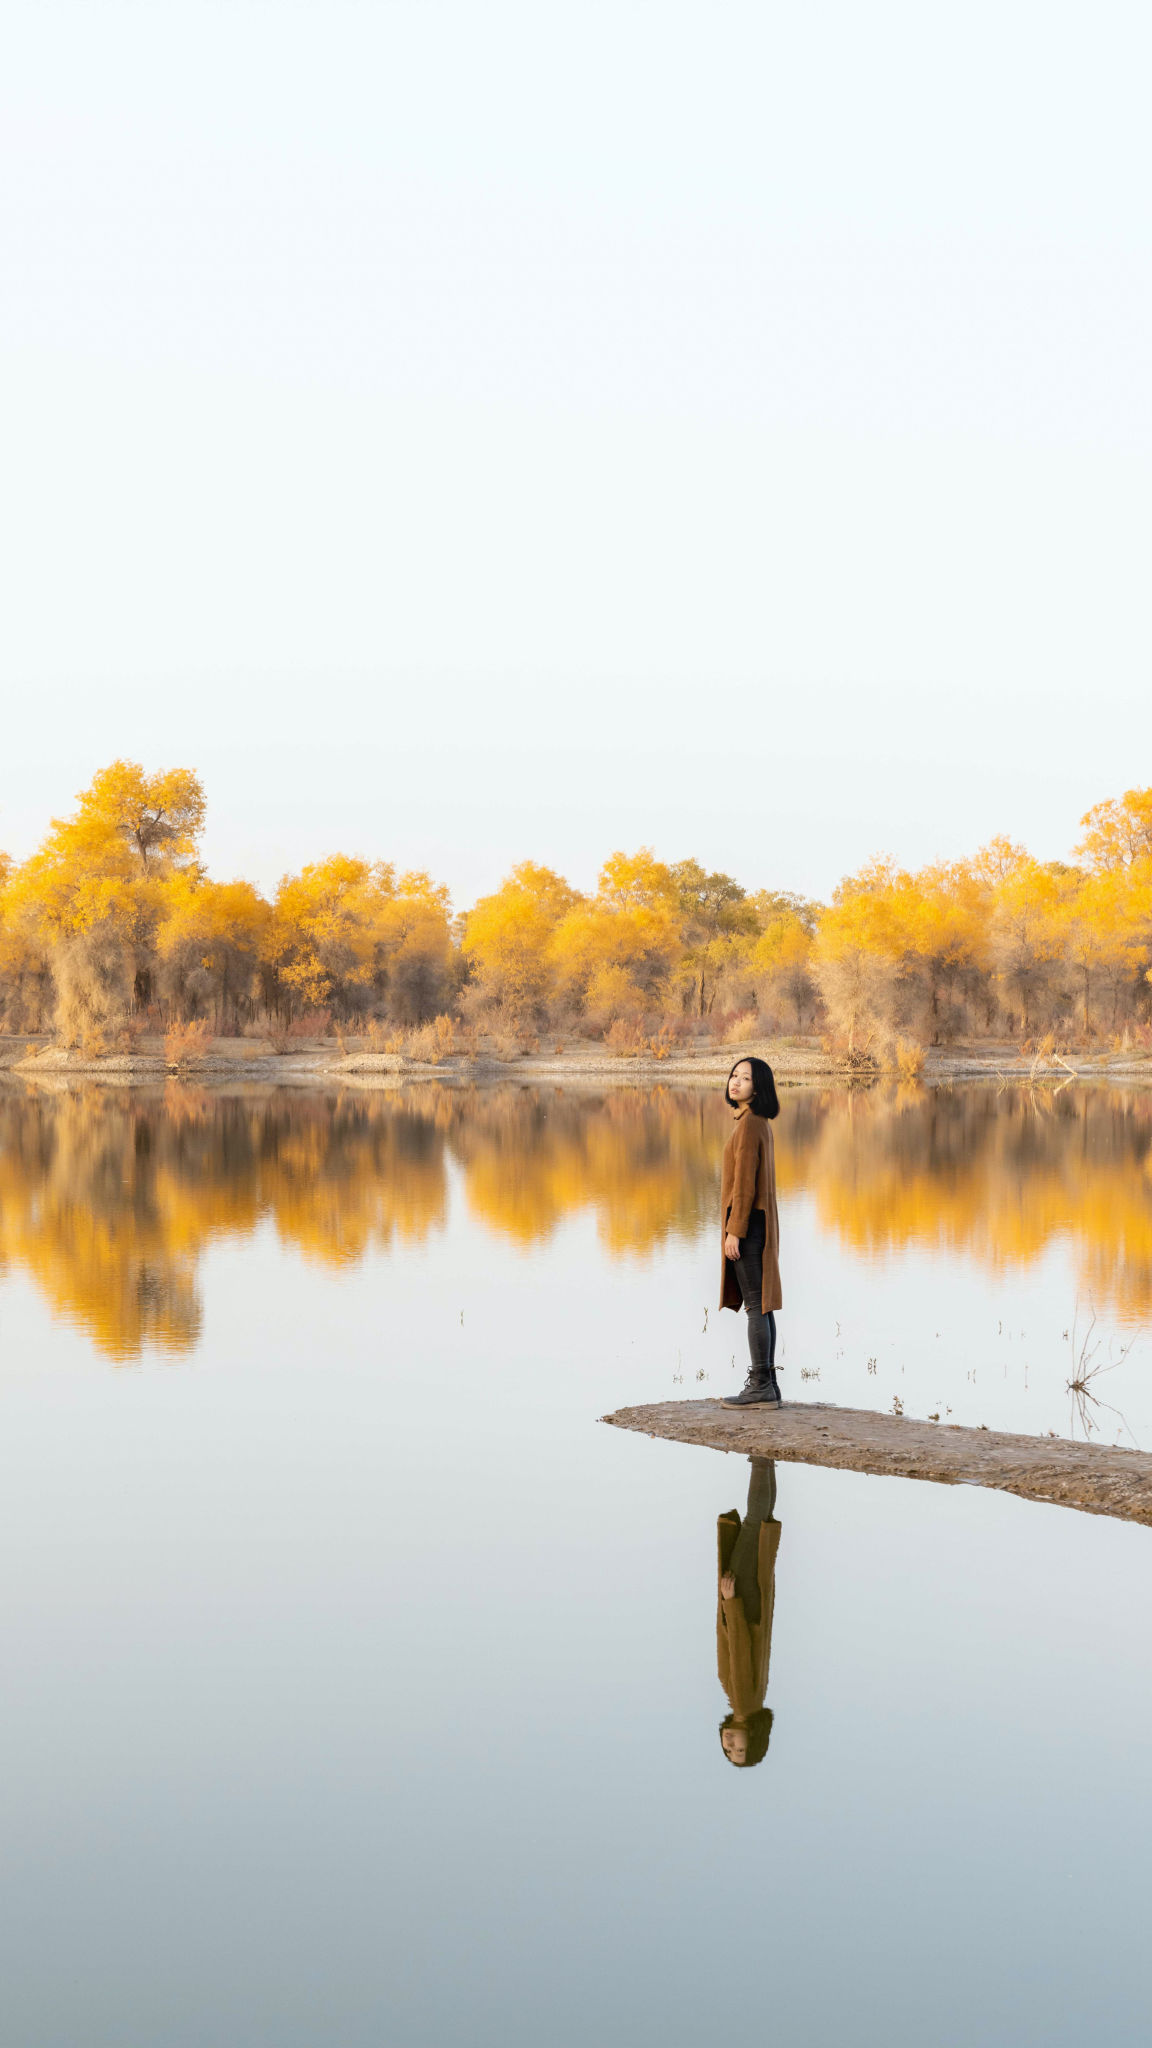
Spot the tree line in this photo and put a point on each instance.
(114, 926)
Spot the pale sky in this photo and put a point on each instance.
(470, 432)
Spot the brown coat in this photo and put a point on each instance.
(744, 1648)
(747, 1182)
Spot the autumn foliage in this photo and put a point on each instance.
(114, 920)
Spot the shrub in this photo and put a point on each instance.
(514, 1045)
(626, 1037)
(739, 1028)
(662, 1043)
(93, 979)
(909, 1058)
(859, 1059)
(311, 1024)
(858, 988)
(432, 1042)
(307, 1029)
(1133, 1038)
(131, 1032)
(186, 1043)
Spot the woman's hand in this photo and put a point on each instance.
(728, 1587)
(731, 1247)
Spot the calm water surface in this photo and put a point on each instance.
(361, 1688)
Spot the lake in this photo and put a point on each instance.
(361, 1687)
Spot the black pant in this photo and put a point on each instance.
(750, 1275)
(744, 1563)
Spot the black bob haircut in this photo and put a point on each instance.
(758, 1728)
(765, 1101)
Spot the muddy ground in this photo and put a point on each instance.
(1098, 1479)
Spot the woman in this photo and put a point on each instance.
(750, 1225)
(745, 1599)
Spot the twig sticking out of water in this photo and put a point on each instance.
(1087, 1369)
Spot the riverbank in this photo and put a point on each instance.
(1096, 1478)
(795, 1061)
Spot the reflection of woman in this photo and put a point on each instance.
(746, 1564)
(750, 1225)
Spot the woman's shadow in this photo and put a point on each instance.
(746, 1592)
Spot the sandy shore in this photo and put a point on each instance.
(795, 1062)
(1098, 1479)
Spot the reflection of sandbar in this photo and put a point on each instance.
(1101, 1480)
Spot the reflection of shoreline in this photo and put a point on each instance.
(108, 1196)
(40, 1059)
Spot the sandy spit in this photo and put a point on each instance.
(1098, 1479)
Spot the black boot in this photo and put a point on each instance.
(760, 1390)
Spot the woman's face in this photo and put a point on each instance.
(740, 1082)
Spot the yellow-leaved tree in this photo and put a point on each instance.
(717, 927)
(1026, 935)
(1118, 833)
(614, 953)
(944, 913)
(26, 991)
(858, 955)
(210, 943)
(346, 934)
(507, 940)
(780, 961)
(93, 894)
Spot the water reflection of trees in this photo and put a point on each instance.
(645, 1163)
(998, 1175)
(107, 1200)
